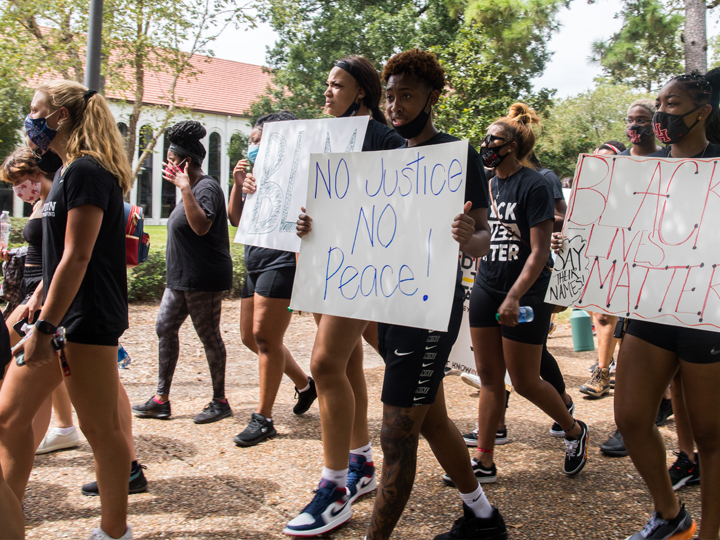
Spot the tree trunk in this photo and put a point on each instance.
(695, 36)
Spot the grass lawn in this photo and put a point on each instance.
(158, 234)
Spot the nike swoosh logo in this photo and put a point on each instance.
(426, 365)
(333, 513)
(423, 382)
(431, 347)
(364, 482)
(402, 353)
(476, 498)
(714, 352)
(417, 398)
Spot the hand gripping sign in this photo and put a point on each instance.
(381, 248)
(281, 171)
(642, 240)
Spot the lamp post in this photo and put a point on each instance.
(94, 45)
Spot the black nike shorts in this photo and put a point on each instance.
(276, 283)
(484, 306)
(690, 344)
(415, 360)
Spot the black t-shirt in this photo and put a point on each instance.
(712, 150)
(523, 200)
(380, 136)
(100, 306)
(476, 188)
(200, 263)
(554, 181)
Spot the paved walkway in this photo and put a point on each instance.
(203, 487)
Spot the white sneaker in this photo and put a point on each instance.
(472, 380)
(55, 441)
(99, 534)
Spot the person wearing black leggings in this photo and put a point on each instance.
(199, 269)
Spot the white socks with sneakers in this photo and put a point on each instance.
(364, 451)
(339, 478)
(65, 430)
(307, 387)
(478, 503)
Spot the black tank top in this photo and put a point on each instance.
(33, 236)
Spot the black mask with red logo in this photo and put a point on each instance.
(671, 128)
(639, 134)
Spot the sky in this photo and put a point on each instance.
(568, 70)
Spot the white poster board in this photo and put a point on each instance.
(381, 248)
(281, 171)
(642, 240)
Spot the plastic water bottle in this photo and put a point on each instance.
(4, 229)
(123, 358)
(525, 314)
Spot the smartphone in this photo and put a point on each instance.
(19, 325)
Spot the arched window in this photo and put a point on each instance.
(168, 188)
(123, 129)
(144, 191)
(214, 156)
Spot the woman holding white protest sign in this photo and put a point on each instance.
(516, 273)
(353, 89)
(264, 315)
(651, 354)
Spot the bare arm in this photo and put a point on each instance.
(235, 202)
(560, 211)
(540, 247)
(197, 219)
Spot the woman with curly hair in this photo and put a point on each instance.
(199, 269)
(516, 273)
(85, 291)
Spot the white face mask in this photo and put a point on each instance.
(28, 191)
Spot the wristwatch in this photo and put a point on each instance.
(45, 327)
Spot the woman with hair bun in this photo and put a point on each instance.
(199, 270)
(516, 273)
(85, 291)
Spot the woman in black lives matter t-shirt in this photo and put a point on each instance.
(199, 270)
(687, 120)
(264, 314)
(516, 273)
(85, 290)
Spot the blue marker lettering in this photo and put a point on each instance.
(451, 175)
(432, 175)
(382, 180)
(343, 283)
(382, 289)
(401, 280)
(394, 230)
(371, 231)
(347, 178)
(328, 278)
(373, 283)
(319, 174)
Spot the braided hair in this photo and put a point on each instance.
(185, 137)
(704, 89)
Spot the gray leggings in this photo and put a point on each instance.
(204, 308)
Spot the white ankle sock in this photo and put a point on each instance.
(301, 390)
(65, 430)
(364, 451)
(339, 478)
(478, 503)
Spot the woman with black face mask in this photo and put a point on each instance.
(516, 273)
(353, 89)
(651, 354)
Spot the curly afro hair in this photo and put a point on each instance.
(185, 137)
(422, 64)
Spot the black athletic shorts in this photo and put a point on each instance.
(415, 360)
(484, 306)
(95, 339)
(32, 278)
(690, 344)
(277, 283)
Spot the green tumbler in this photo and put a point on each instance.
(581, 326)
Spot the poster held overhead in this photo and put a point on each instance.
(381, 247)
(281, 171)
(641, 241)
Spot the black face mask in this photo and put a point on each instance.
(491, 157)
(639, 134)
(415, 126)
(49, 162)
(671, 128)
(352, 109)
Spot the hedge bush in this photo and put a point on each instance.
(146, 282)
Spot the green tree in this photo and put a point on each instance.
(517, 31)
(581, 123)
(479, 90)
(647, 50)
